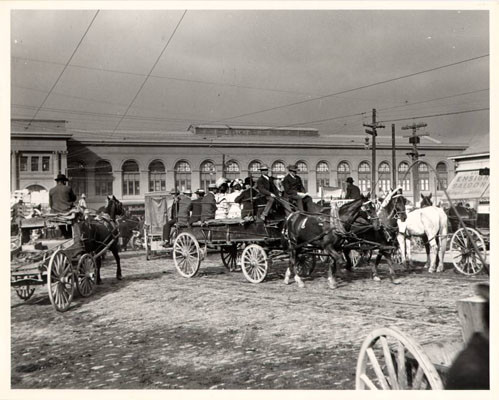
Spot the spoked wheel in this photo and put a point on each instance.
(464, 256)
(86, 275)
(231, 256)
(391, 360)
(186, 254)
(305, 264)
(24, 292)
(60, 281)
(254, 263)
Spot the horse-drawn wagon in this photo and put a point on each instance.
(49, 258)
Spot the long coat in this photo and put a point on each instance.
(208, 207)
(292, 185)
(184, 209)
(265, 186)
(353, 192)
(61, 198)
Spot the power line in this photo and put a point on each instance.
(436, 115)
(354, 89)
(150, 72)
(65, 66)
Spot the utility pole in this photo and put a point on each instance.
(394, 165)
(414, 139)
(373, 132)
(223, 165)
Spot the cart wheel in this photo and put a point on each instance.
(254, 263)
(391, 360)
(86, 275)
(60, 280)
(305, 264)
(464, 256)
(186, 254)
(230, 255)
(24, 292)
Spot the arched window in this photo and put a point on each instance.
(131, 178)
(103, 178)
(183, 176)
(322, 172)
(364, 177)
(278, 169)
(303, 173)
(254, 169)
(36, 188)
(207, 174)
(232, 170)
(404, 183)
(77, 174)
(343, 173)
(442, 176)
(384, 178)
(157, 176)
(424, 177)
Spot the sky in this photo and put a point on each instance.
(113, 71)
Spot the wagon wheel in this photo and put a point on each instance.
(186, 254)
(231, 256)
(466, 260)
(86, 275)
(254, 263)
(60, 280)
(305, 264)
(24, 292)
(391, 360)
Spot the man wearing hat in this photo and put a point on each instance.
(293, 185)
(246, 198)
(184, 207)
(172, 213)
(61, 197)
(353, 192)
(196, 206)
(208, 204)
(266, 187)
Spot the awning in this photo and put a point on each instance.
(469, 185)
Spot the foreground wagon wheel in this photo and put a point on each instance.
(254, 263)
(464, 256)
(391, 360)
(86, 275)
(230, 256)
(186, 254)
(60, 281)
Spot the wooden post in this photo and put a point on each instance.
(470, 311)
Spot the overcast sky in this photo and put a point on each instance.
(250, 67)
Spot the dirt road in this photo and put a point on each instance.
(157, 330)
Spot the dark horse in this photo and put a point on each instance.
(304, 229)
(102, 233)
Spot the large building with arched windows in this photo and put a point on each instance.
(130, 164)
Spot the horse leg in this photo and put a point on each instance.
(403, 247)
(374, 268)
(442, 249)
(291, 263)
(332, 267)
(348, 265)
(427, 249)
(388, 258)
(298, 279)
(114, 250)
(433, 255)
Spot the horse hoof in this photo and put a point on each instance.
(332, 285)
(301, 285)
(439, 270)
(119, 278)
(395, 282)
(286, 281)
(431, 270)
(376, 279)
(99, 282)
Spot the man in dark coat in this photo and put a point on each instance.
(61, 197)
(293, 185)
(266, 187)
(208, 204)
(353, 192)
(184, 208)
(197, 206)
(247, 198)
(172, 218)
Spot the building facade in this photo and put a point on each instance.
(129, 165)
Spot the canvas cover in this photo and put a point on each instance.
(157, 205)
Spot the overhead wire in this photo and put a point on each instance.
(65, 66)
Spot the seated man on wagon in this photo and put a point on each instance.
(294, 189)
(247, 198)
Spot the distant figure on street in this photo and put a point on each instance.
(82, 203)
(353, 191)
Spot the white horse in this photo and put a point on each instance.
(430, 223)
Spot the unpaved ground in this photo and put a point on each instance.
(157, 330)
